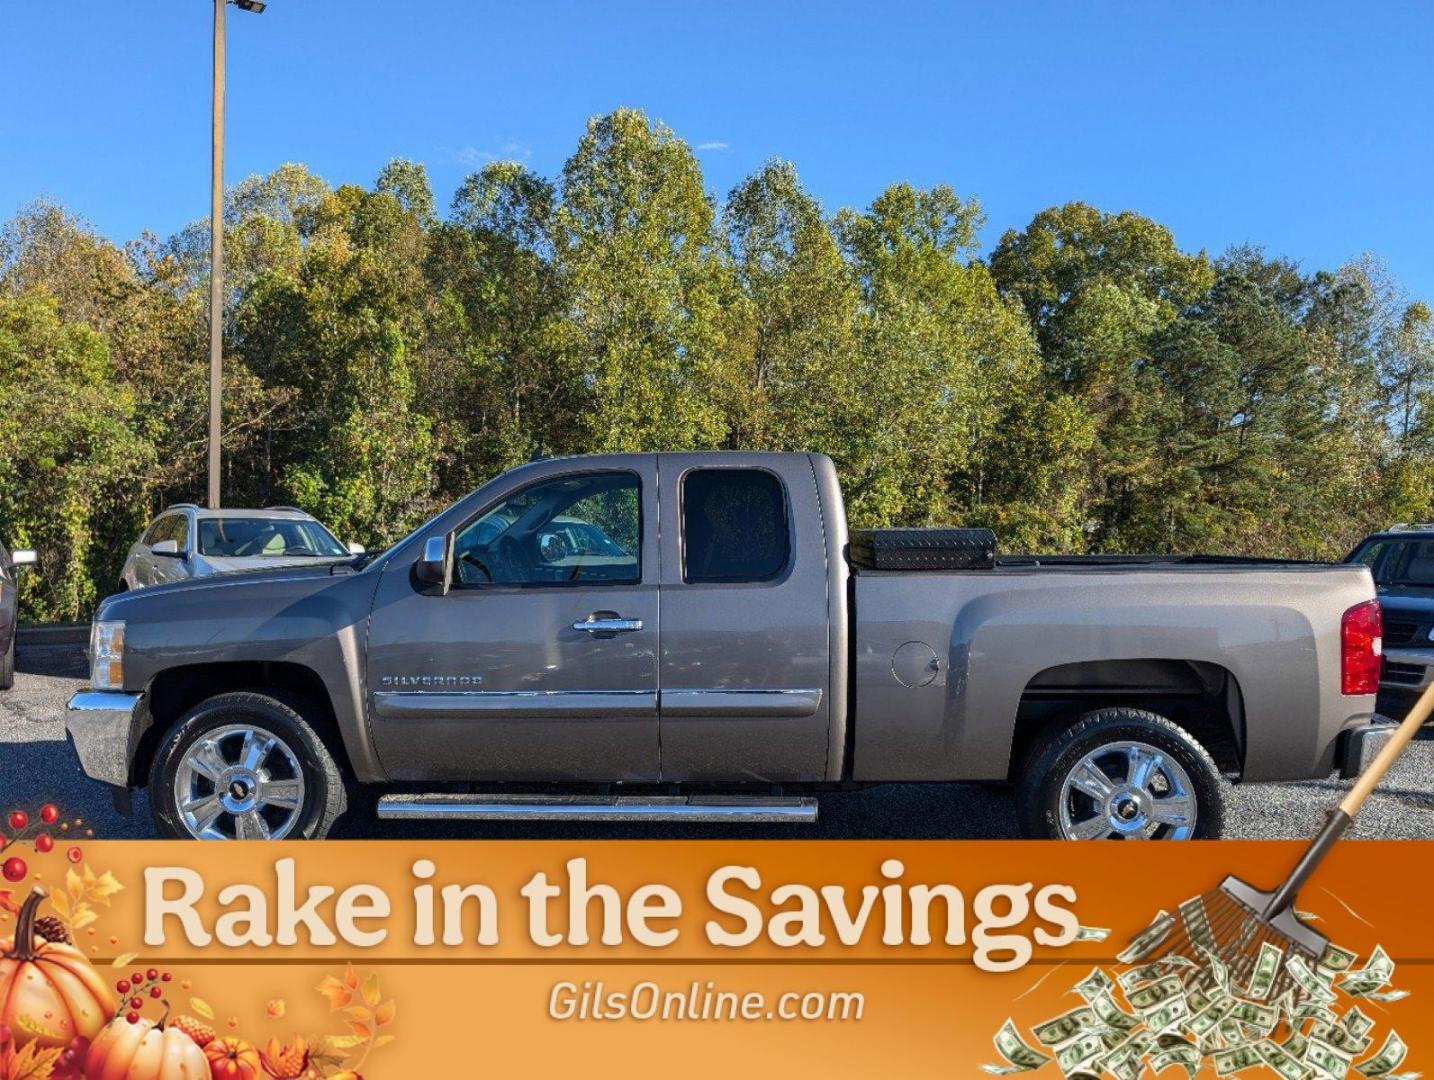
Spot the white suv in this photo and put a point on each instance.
(188, 541)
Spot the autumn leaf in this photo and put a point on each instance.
(7, 902)
(359, 1013)
(384, 1014)
(202, 1007)
(383, 1040)
(371, 993)
(351, 979)
(338, 994)
(123, 959)
(276, 1008)
(363, 1031)
(33, 1063)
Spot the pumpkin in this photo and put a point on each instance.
(49, 993)
(233, 1059)
(144, 1050)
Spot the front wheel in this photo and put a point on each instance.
(245, 766)
(1120, 774)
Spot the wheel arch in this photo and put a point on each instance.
(1202, 697)
(174, 691)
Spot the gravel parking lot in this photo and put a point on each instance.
(36, 765)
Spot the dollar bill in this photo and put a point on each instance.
(1282, 1061)
(1064, 1028)
(1259, 1016)
(1186, 1056)
(1387, 995)
(1092, 933)
(1094, 985)
(1149, 939)
(1336, 959)
(1112, 1015)
(1374, 975)
(1267, 966)
(1219, 973)
(1197, 922)
(1327, 1059)
(1341, 1038)
(1296, 1043)
(1391, 1055)
(1308, 981)
(1313, 1010)
(1168, 1015)
(1020, 1056)
(1146, 998)
(1144, 973)
(1084, 1049)
(1208, 1019)
(1237, 1058)
(1355, 1022)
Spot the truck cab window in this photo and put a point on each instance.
(734, 526)
(574, 529)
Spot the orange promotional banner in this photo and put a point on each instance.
(455, 958)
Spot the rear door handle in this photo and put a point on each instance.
(607, 622)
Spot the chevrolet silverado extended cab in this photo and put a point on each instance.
(695, 636)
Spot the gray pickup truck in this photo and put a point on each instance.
(696, 637)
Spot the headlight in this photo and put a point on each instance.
(107, 655)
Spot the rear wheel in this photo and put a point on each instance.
(1121, 774)
(245, 766)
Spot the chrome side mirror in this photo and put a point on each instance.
(434, 566)
(23, 557)
(168, 548)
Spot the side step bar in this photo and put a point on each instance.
(734, 809)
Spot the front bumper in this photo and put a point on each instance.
(101, 725)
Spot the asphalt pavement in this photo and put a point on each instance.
(37, 765)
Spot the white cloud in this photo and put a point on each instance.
(715, 144)
(509, 151)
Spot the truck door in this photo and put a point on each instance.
(539, 662)
(745, 625)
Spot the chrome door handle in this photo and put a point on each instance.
(594, 624)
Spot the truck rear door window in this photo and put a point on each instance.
(734, 526)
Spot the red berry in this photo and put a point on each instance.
(19, 819)
(152, 974)
(132, 1017)
(49, 813)
(165, 977)
(44, 843)
(137, 978)
(14, 869)
(74, 854)
(155, 991)
(122, 986)
(136, 1003)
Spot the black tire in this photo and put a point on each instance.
(1045, 768)
(7, 662)
(325, 794)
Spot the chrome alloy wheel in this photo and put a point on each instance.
(1128, 790)
(239, 782)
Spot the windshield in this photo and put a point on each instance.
(1399, 563)
(249, 537)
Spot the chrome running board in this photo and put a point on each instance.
(735, 809)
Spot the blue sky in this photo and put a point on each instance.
(1306, 127)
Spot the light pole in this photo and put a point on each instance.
(216, 249)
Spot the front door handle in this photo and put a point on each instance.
(606, 623)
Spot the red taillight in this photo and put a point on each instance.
(1361, 648)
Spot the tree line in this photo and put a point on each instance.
(1087, 386)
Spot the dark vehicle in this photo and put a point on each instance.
(1402, 561)
(697, 637)
(9, 610)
